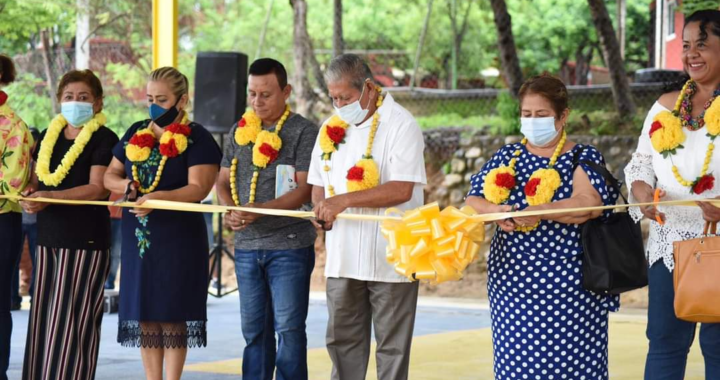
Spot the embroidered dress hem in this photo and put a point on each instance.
(194, 334)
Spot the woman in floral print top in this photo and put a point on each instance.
(15, 145)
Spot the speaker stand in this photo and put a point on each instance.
(217, 252)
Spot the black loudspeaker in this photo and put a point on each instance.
(220, 89)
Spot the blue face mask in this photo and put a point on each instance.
(162, 116)
(77, 113)
(538, 130)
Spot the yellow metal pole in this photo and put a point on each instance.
(165, 33)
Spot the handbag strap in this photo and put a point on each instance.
(710, 228)
(602, 170)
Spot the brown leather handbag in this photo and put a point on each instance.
(695, 279)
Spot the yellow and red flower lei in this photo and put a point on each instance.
(667, 135)
(364, 174)
(265, 146)
(332, 134)
(539, 189)
(173, 142)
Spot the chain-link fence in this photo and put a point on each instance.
(123, 75)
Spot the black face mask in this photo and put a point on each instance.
(164, 117)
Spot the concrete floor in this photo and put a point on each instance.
(452, 341)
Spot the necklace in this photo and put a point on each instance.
(685, 111)
(266, 147)
(173, 142)
(48, 144)
(667, 135)
(364, 174)
(539, 189)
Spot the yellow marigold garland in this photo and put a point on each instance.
(667, 135)
(141, 144)
(249, 126)
(266, 148)
(539, 189)
(48, 144)
(364, 174)
(500, 181)
(332, 134)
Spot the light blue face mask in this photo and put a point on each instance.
(353, 113)
(538, 130)
(77, 113)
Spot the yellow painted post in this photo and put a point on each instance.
(165, 33)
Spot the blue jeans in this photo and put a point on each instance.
(274, 294)
(29, 231)
(115, 249)
(671, 338)
(10, 233)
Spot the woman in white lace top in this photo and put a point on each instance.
(682, 172)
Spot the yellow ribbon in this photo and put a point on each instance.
(423, 244)
(434, 245)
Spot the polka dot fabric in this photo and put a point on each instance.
(545, 325)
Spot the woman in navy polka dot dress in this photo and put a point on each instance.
(545, 325)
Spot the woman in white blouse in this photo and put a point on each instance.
(681, 173)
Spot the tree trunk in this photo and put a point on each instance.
(338, 43)
(263, 31)
(506, 44)
(582, 64)
(418, 52)
(458, 36)
(303, 90)
(47, 63)
(82, 35)
(611, 51)
(317, 70)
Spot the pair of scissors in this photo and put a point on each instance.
(130, 193)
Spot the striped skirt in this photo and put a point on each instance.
(66, 314)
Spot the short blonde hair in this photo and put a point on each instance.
(177, 81)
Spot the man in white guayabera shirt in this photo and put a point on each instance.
(368, 157)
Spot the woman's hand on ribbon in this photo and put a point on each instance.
(646, 194)
(32, 207)
(507, 225)
(527, 221)
(710, 212)
(652, 212)
(142, 212)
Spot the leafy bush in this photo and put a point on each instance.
(508, 109)
(29, 98)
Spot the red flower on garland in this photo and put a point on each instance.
(704, 183)
(505, 180)
(144, 140)
(336, 134)
(178, 128)
(355, 174)
(242, 123)
(531, 187)
(170, 149)
(654, 127)
(269, 151)
(3, 97)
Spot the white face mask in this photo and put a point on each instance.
(538, 130)
(353, 113)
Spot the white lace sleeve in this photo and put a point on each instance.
(639, 169)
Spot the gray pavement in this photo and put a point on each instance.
(225, 337)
